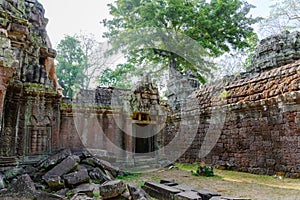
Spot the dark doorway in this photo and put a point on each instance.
(144, 141)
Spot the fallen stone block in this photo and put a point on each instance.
(171, 184)
(99, 175)
(62, 192)
(160, 191)
(126, 195)
(109, 167)
(188, 195)
(112, 189)
(13, 173)
(81, 197)
(30, 170)
(167, 180)
(206, 194)
(40, 195)
(184, 187)
(87, 188)
(77, 177)
(55, 183)
(65, 166)
(137, 193)
(103, 165)
(53, 159)
(22, 188)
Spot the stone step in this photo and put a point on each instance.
(145, 161)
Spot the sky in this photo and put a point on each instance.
(69, 17)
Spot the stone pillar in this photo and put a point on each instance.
(9, 133)
(5, 75)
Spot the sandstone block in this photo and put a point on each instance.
(87, 188)
(189, 195)
(112, 189)
(54, 159)
(23, 187)
(160, 191)
(76, 178)
(67, 165)
(55, 183)
(137, 193)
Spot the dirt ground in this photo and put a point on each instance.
(229, 183)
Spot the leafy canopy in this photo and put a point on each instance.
(178, 34)
(70, 65)
(117, 77)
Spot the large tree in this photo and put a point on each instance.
(118, 77)
(178, 34)
(95, 59)
(284, 15)
(70, 65)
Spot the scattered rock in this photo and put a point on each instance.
(39, 186)
(23, 187)
(2, 184)
(40, 195)
(103, 165)
(167, 180)
(111, 189)
(160, 191)
(13, 172)
(109, 167)
(90, 189)
(81, 197)
(54, 159)
(137, 193)
(206, 194)
(55, 183)
(29, 169)
(62, 192)
(99, 175)
(67, 165)
(77, 177)
(189, 195)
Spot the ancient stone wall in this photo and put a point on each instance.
(252, 123)
(29, 101)
(109, 121)
(276, 51)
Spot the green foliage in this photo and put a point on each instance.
(96, 194)
(205, 171)
(253, 42)
(128, 175)
(223, 94)
(178, 34)
(117, 77)
(70, 66)
(186, 167)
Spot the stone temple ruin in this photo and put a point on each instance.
(248, 123)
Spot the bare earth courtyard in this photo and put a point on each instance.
(228, 183)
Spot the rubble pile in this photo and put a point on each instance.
(65, 175)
